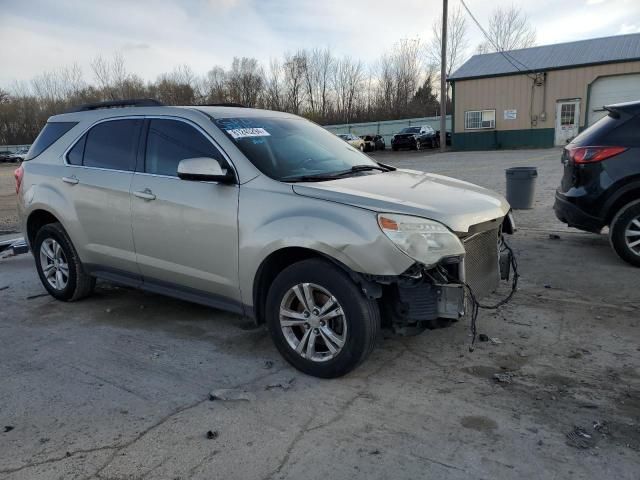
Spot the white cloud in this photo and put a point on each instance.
(157, 35)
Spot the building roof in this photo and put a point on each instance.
(621, 48)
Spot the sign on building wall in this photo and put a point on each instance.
(510, 114)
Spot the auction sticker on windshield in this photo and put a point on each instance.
(248, 132)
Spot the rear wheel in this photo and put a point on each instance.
(59, 266)
(362, 147)
(418, 145)
(319, 319)
(624, 233)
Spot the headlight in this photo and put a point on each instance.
(426, 241)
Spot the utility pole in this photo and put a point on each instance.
(443, 80)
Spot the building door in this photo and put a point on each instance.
(608, 90)
(567, 121)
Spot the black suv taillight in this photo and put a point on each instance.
(582, 155)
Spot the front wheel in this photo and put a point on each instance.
(624, 233)
(320, 320)
(361, 147)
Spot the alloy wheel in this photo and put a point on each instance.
(313, 322)
(632, 235)
(54, 264)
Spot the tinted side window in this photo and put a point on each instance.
(51, 132)
(74, 157)
(113, 145)
(170, 141)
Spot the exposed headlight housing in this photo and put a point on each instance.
(424, 240)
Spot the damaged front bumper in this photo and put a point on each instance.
(422, 298)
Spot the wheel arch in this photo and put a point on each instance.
(284, 257)
(626, 195)
(37, 219)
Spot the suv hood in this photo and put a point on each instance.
(457, 204)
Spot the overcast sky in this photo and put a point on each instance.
(156, 35)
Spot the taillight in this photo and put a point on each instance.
(18, 174)
(581, 155)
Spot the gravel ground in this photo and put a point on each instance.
(118, 386)
(8, 215)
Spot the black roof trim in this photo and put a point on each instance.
(228, 104)
(631, 108)
(132, 102)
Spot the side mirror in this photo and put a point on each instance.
(204, 169)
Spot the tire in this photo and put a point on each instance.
(622, 233)
(78, 284)
(418, 145)
(361, 147)
(355, 331)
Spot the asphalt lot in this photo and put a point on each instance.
(117, 386)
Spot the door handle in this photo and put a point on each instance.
(72, 180)
(146, 194)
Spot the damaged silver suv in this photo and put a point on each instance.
(260, 213)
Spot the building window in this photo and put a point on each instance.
(568, 114)
(477, 119)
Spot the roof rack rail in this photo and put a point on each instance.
(133, 102)
(224, 104)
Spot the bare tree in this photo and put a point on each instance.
(347, 81)
(273, 86)
(317, 74)
(509, 29)
(215, 85)
(457, 42)
(407, 69)
(294, 70)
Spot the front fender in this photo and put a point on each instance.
(350, 235)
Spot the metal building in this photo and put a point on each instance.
(541, 96)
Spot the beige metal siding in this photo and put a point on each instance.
(514, 92)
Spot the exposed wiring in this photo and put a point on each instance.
(475, 304)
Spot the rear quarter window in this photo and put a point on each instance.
(611, 130)
(626, 134)
(49, 135)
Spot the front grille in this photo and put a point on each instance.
(481, 263)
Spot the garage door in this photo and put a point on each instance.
(608, 90)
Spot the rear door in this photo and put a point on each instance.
(186, 232)
(97, 177)
(567, 121)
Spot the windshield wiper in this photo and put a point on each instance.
(332, 176)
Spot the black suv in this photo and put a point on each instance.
(416, 138)
(601, 182)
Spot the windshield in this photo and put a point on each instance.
(286, 148)
(410, 130)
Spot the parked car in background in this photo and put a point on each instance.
(261, 213)
(16, 156)
(379, 141)
(369, 143)
(353, 140)
(373, 142)
(601, 182)
(415, 138)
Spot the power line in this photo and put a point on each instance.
(508, 57)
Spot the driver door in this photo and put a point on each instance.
(185, 232)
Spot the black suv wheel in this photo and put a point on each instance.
(624, 233)
(320, 320)
(59, 266)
